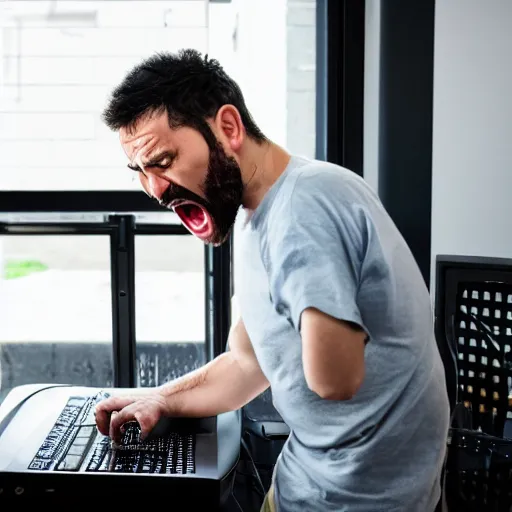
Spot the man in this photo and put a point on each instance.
(335, 315)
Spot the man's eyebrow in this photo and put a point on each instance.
(157, 159)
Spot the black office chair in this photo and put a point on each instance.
(473, 319)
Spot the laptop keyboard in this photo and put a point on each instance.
(74, 444)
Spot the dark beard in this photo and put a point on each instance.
(223, 189)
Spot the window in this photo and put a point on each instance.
(170, 307)
(55, 307)
(61, 318)
(75, 303)
(60, 60)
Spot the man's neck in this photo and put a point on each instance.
(261, 166)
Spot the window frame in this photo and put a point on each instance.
(122, 230)
(340, 49)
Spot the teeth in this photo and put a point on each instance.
(176, 203)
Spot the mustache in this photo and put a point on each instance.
(174, 191)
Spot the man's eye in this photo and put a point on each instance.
(165, 162)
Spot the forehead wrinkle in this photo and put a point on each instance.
(135, 140)
(148, 150)
(140, 150)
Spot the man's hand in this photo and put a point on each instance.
(112, 413)
(226, 383)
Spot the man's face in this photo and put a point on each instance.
(177, 168)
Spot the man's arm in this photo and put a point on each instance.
(227, 383)
(332, 354)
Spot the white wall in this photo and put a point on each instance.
(472, 137)
(301, 77)
(56, 74)
(260, 58)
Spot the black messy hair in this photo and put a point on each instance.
(189, 87)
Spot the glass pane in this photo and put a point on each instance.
(55, 311)
(60, 59)
(170, 307)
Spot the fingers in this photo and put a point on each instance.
(118, 419)
(112, 427)
(147, 422)
(145, 415)
(106, 407)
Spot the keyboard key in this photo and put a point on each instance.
(40, 464)
(159, 463)
(190, 465)
(76, 449)
(81, 441)
(147, 463)
(100, 457)
(69, 463)
(85, 432)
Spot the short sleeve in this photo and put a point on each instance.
(314, 255)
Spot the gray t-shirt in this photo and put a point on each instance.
(321, 238)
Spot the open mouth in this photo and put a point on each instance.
(194, 217)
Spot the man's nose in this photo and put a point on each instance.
(156, 185)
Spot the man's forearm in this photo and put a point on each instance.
(219, 386)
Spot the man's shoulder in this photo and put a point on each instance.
(317, 187)
(310, 167)
(317, 178)
(319, 194)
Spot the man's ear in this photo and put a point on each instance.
(230, 127)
